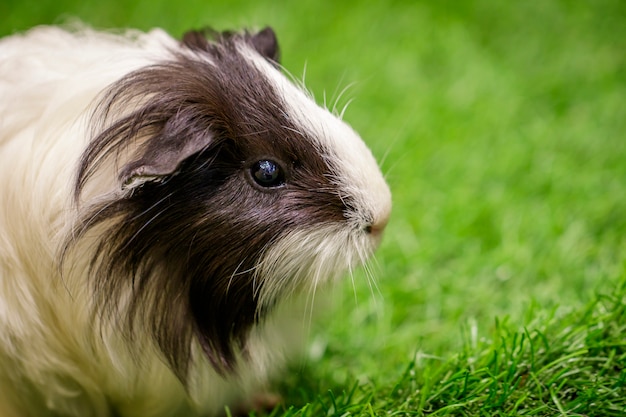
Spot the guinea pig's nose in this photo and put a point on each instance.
(377, 227)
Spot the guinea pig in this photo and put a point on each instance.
(167, 209)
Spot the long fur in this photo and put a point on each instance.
(143, 268)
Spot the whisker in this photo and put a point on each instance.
(340, 96)
(372, 278)
(351, 273)
(146, 211)
(392, 144)
(345, 107)
(302, 82)
(235, 273)
(138, 232)
(291, 129)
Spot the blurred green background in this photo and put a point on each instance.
(500, 127)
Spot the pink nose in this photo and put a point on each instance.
(377, 227)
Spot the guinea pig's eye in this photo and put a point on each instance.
(267, 173)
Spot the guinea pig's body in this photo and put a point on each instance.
(166, 210)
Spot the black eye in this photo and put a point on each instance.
(267, 173)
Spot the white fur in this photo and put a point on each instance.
(52, 356)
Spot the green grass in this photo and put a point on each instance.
(558, 364)
(502, 130)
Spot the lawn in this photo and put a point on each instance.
(500, 288)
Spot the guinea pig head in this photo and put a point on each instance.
(235, 191)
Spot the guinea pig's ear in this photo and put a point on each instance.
(159, 158)
(266, 44)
